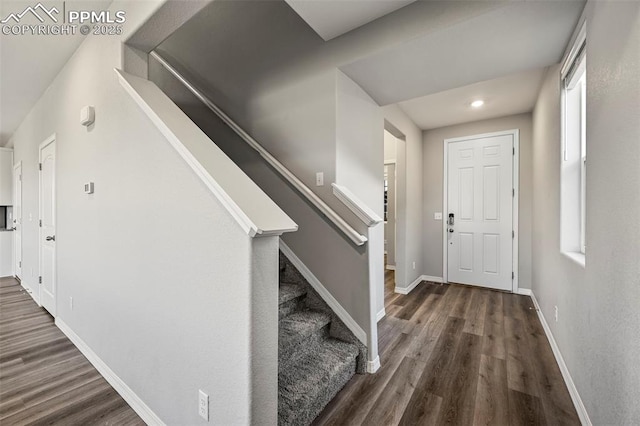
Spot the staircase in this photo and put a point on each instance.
(313, 365)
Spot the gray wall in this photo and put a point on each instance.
(281, 58)
(297, 124)
(340, 266)
(151, 254)
(598, 328)
(312, 119)
(433, 169)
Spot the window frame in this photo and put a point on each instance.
(573, 79)
(583, 159)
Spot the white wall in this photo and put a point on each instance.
(433, 169)
(6, 178)
(359, 143)
(598, 328)
(408, 196)
(389, 147)
(151, 254)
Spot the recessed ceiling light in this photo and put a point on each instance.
(477, 104)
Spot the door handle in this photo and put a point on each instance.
(451, 230)
(51, 238)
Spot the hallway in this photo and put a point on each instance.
(454, 354)
(44, 379)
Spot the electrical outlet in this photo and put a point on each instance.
(203, 405)
(437, 215)
(556, 312)
(71, 303)
(414, 265)
(320, 179)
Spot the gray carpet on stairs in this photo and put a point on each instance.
(313, 365)
(289, 275)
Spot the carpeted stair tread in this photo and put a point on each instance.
(297, 328)
(289, 292)
(317, 377)
(316, 357)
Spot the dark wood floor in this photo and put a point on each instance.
(460, 355)
(44, 379)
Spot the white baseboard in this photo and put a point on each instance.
(324, 293)
(120, 386)
(573, 391)
(380, 315)
(407, 290)
(373, 366)
(432, 278)
(524, 291)
(391, 267)
(34, 295)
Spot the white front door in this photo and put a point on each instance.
(480, 211)
(48, 225)
(17, 220)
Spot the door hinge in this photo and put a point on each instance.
(40, 280)
(40, 221)
(514, 150)
(513, 275)
(20, 264)
(513, 192)
(513, 234)
(39, 166)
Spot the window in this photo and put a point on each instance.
(574, 149)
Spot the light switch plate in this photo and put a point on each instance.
(437, 215)
(87, 115)
(88, 188)
(320, 179)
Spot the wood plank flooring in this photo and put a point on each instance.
(457, 355)
(44, 379)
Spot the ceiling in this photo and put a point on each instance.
(28, 64)
(513, 94)
(331, 19)
(420, 54)
(428, 56)
(518, 37)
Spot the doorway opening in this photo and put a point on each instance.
(394, 213)
(390, 207)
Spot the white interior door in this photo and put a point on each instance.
(17, 220)
(480, 206)
(48, 226)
